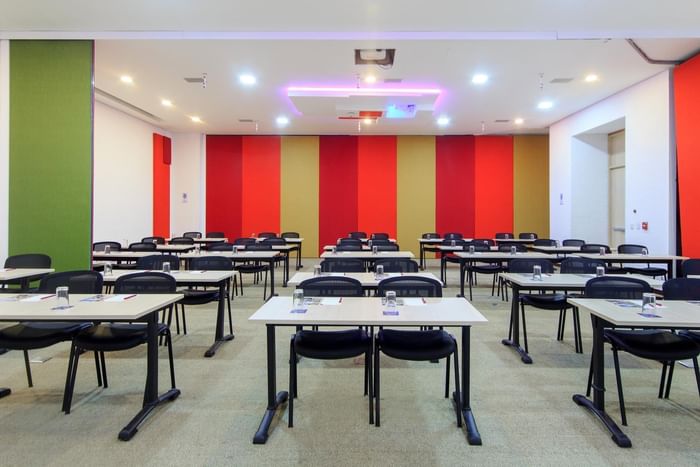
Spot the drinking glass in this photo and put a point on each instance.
(379, 270)
(599, 271)
(648, 301)
(537, 272)
(62, 300)
(298, 298)
(166, 268)
(513, 250)
(601, 250)
(390, 299)
(108, 269)
(471, 249)
(108, 249)
(375, 250)
(317, 270)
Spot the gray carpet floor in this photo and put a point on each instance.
(524, 412)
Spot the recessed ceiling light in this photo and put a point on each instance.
(196, 119)
(367, 121)
(166, 103)
(127, 79)
(443, 121)
(282, 120)
(247, 79)
(370, 79)
(592, 78)
(480, 78)
(545, 105)
(518, 121)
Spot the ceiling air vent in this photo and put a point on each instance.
(561, 80)
(246, 120)
(383, 57)
(198, 80)
(393, 80)
(501, 120)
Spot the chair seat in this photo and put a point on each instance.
(487, 268)
(331, 345)
(39, 334)
(552, 301)
(113, 337)
(650, 271)
(250, 268)
(416, 345)
(451, 258)
(198, 297)
(653, 344)
(694, 335)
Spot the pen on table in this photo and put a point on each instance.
(129, 296)
(423, 298)
(48, 296)
(340, 300)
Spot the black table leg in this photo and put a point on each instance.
(219, 337)
(462, 270)
(473, 435)
(597, 406)
(271, 262)
(274, 399)
(421, 255)
(515, 320)
(151, 399)
(299, 265)
(285, 276)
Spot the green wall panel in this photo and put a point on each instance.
(51, 96)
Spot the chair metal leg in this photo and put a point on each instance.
(28, 368)
(98, 369)
(458, 389)
(697, 373)
(662, 382)
(447, 378)
(265, 287)
(230, 319)
(522, 314)
(103, 365)
(70, 385)
(377, 397)
(621, 397)
(577, 330)
(69, 372)
(168, 339)
(292, 383)
(177, 320)
(590, 378)
(671, 366)
(368, 370)
(184, 321)
(562, 323)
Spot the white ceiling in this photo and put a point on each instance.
(439, 44)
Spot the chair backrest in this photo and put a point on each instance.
(216, 235)
(155, 262)
(525, 265)
(691, 267)
(619, 287)
(349, 241)
(380, 241)
(397, 265)
(573, 242)
(331, 286)
(387, 247)
(28, 260)
(211, 263)
(274, 241)
(594, 248)
(502, 235)
(526, 235)
(100, 246)
(348, 247)
(380, 236)
(182, 241)
(358, 234)
(487, 241)
(157, 240)
(267, 235)
(77, 281)
(453, 236)
(506, 246)
(223, 246)
(628, 248)
(457, 242)
(145, 282)
(575, 265)
(141, 246)
(430, 235)
(545, 242)
(342, 265)
(410, 286)
(290, 235)
(478, 245)
(258, 247)
(682, 288)
(244, 241)
(192, 234)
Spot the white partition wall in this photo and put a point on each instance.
(4, 145)
(186, 183)
(650, 167)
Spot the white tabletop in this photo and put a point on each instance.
(515, 240)
(330, 247)
(189, 276)
(432, 240)
(133, 308)
(176, 247)
(206, 239)
(288, 240)
(123, 254)
(242, 255)
(365, 240)
(367, 254)
(8, 274)
(367, 279)
(552, 281)
(672, 313)
(557, 249)
(628, 257)
(451, 248)
(501, 255)
(368, 311)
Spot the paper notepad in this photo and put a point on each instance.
(119, 298)
(37, 298)
(331, 301)
(413, 301)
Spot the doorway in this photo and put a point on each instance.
(616, 189)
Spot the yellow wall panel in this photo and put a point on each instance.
(415, 189)
(299, 190)
(531, 184)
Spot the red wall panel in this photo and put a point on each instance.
(376, 184)
(337, 189)
(493, 181)
(260, 209)
(454, 185)
(686, 83)
(224, 184)
(161, 185)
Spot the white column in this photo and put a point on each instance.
(4, 146)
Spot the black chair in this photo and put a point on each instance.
(527, 235)
(429, 235)
(223, 246)
(267, 235)
(594, 248)
(508, 246)
(545, 242)
(31, 335)
(504, 235)
(290, 235)
(576, 265)
(156, 262)
(348, 247)
(410, 286)
(156, 240)
(487, 241)
(245, 241)
(359, 235)
(453, 236)
(342, 265)
(449, 257)
(691, 267)
(26, 260)
(349, 241)
(430, 248)
(647, 271)
(380, 236)
(101, 246)
(192, 235)
(546, 301)
(425, 345)
(330, 345)
(254, 267)
(573, 242)
(397, 265)
(215, 235)
(387, 247)
(111, 337)
(182, 240)
(472, 268)
(142, 246)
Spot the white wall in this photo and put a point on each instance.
(187, 175)
(123, 176)
(650, 162)
(589, 187)
(4, 146)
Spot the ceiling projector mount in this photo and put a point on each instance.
(381, 57)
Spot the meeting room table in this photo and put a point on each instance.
(242, 256)
(673, 314)
(23, 275)
(558, 250)
(368, 280)
(100, 308)
(521, 282)
(367, 311)
(295, 244)
(610, 258)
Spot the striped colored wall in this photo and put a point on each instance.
(531, 184)
(326, 186)
(50, 188)
(162, 157)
